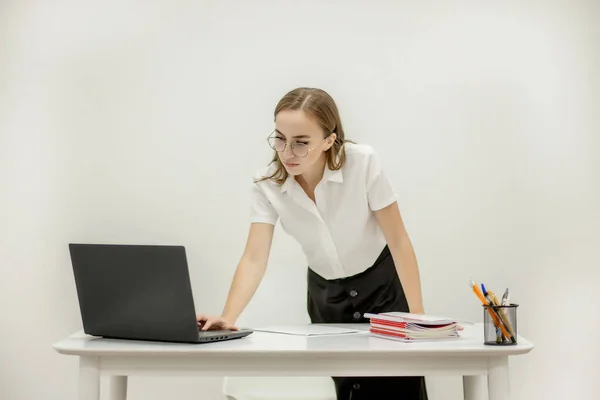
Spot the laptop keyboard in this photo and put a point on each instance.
(214, 333)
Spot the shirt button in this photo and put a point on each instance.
(357, 315)
(353, 293)
(356, 386)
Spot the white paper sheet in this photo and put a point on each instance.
(306, 330)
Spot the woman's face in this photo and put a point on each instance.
(298, 130)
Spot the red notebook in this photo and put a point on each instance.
(409, 327)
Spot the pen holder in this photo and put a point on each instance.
(500, 325)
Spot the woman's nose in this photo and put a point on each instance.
(288, 153)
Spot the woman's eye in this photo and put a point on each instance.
(304, 143)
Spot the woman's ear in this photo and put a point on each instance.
(330, 141)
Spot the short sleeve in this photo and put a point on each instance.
(380, 192)
(262, 210)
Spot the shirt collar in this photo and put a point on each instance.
(329, 175)
(289, 182)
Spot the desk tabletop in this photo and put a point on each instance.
(265, 343)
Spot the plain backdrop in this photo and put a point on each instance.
(143, 122)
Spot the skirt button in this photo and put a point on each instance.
(357, 315)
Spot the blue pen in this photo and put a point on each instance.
(499, 336)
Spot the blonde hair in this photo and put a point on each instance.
(320, 105)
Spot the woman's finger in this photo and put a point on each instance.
(207, 325)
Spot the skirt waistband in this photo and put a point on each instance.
(385, 253)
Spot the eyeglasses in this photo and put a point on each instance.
(298, 148)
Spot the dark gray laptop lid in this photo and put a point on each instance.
(134, 291)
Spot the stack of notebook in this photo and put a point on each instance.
(408, 327)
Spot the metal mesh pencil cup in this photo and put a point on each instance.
(500, 325)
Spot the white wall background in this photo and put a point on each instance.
(143, 122)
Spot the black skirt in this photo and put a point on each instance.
(345, 300)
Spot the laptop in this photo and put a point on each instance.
(138, 292)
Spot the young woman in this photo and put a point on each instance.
(333, 196)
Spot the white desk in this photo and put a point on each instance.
(270, 354)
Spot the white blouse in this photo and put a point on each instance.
(339, 233)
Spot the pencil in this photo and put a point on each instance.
(494, 316)
(503, 317)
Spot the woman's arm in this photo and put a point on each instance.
(250, 270)
(248, 275)
(390, 221)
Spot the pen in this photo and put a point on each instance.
(486, 303)
(499, 336)
(477, 292)
(502, 316)
(492, 300)
(505, 298)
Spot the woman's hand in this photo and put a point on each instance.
(206, 322)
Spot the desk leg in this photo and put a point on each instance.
(498, 380)
(89, 378)
(117, 388)
(474, 387)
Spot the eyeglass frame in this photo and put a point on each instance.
(285, 144)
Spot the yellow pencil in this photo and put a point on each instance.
(503, 316)
(497, 322)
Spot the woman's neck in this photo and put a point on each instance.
(310, 179)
